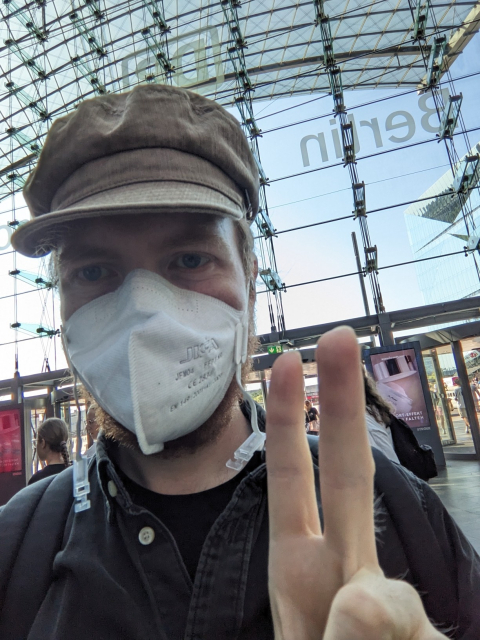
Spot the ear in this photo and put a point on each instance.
(253, 279)
(255, 269)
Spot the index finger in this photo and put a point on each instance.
(291, 487)
(345, 458)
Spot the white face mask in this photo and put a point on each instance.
(159, 359)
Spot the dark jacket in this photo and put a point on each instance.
(87, 575)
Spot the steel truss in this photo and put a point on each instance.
(243, 100)
(158, 44)
(448, 109)
(348, 143)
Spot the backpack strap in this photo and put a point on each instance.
(402, 496)
(32, 526)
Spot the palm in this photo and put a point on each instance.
(320, 581)
(303, 583)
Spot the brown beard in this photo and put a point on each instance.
(206, 434)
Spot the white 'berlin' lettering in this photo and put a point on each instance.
(397, 120)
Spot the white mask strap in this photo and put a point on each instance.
(81, 485)
(256, 440)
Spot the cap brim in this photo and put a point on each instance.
(36, 237)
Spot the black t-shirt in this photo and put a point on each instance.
(189, 517)
(312, 414)
(49, 470)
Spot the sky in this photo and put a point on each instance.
(395, 176)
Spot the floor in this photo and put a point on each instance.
(458, 486)
(464, 441)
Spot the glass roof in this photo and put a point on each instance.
(54, 54)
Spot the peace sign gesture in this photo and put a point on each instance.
(328, 585)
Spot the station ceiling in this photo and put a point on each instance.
(56, 53)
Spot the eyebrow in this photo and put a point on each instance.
(84, 252)
(200, 235)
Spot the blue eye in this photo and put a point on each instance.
(191, 260)
(92, 274)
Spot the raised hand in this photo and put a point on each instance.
(328, 585)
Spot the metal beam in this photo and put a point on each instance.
(88, 35)
(158, 46)
(440, 337)
(463, 35)
(322, 21)
(18, 163)
(30, 63)
(49, 378)
(89, 74)
(243, 99)
(24, 16)
(415, 317)
(437, 309)
(35, 104)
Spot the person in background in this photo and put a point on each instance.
(377, 416)
(52, 438)
(394, 437)
(437, 406)
(312, 417)
(461, 404)
(475, 394)
(92, 428)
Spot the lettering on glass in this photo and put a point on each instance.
(397, 127)
(196, 56)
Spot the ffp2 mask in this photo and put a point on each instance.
(159, 359)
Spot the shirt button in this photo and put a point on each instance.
(146, 535)
(112, 488)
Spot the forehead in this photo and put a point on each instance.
(144, 231)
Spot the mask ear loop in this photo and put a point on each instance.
(81, 485)
(256, 440)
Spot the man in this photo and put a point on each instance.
(462, 409)
(144, 199)
(92, 428)
(312, 417)
(475, 394)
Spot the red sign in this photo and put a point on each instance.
(10, 441)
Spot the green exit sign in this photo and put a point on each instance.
(275, 348)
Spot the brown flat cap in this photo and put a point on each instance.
(154, 149)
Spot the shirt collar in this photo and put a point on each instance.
(109, 480)
(107, 472)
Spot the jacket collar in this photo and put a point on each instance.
(109, 479)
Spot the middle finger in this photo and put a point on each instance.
(345, 458)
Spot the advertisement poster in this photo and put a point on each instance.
(398, 381)
(10, 441)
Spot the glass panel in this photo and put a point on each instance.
(34, 416)
(439, 400)
(464, 441)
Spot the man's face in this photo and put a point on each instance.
(198, 252)
(92, 425)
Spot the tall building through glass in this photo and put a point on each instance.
(437, 227)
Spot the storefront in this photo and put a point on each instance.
(455, 418)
